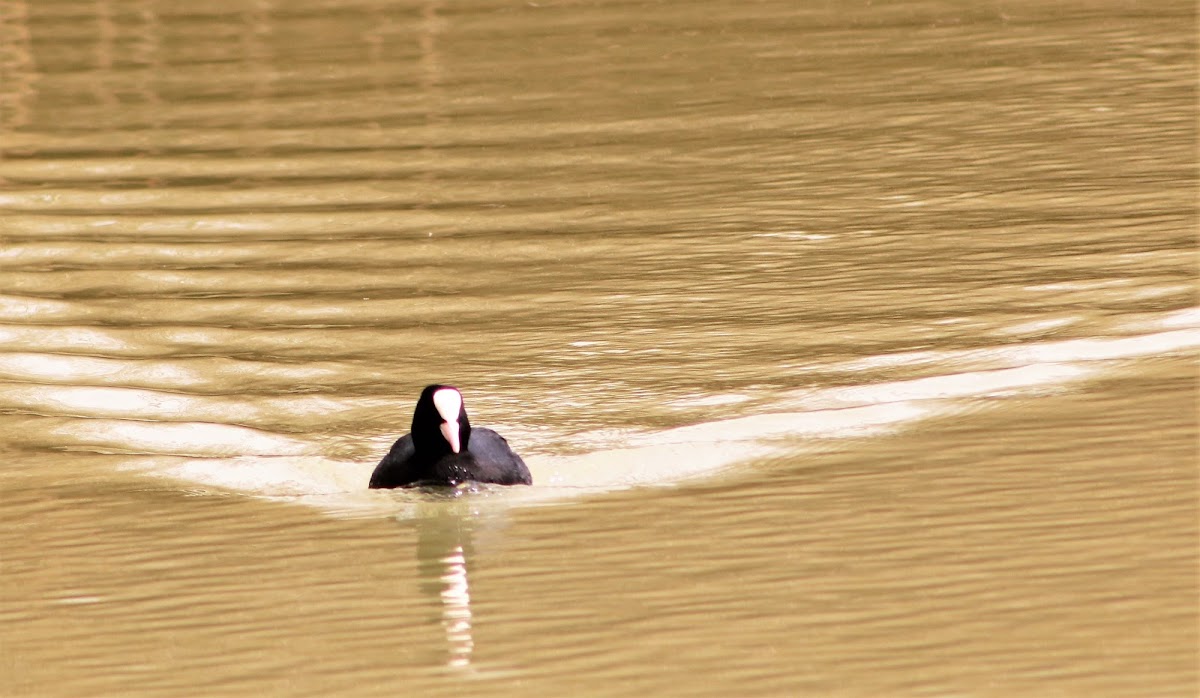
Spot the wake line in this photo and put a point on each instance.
(274, 466)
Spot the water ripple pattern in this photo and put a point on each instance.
(852, 346)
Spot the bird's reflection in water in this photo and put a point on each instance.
(446, 531)
(456, 609)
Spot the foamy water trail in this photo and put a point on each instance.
(278, 467)
(231, 443)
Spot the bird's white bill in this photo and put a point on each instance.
(450, 431)
(448, 402)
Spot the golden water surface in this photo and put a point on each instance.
(851, 346)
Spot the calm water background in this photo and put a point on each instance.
(852, 347)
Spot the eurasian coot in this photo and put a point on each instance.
(443, 449)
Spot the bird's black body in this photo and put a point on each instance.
(425, 456)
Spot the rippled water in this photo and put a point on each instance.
(852, 348)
